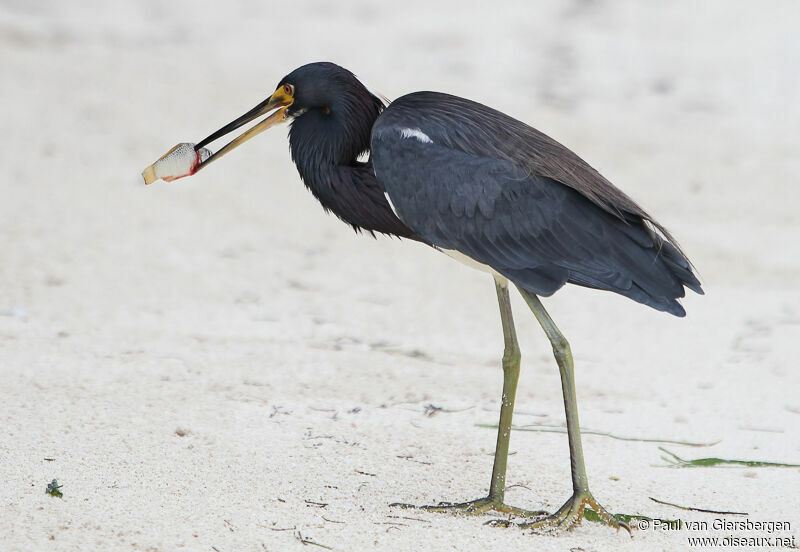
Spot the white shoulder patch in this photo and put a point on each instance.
(415, 133)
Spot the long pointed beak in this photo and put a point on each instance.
(278, 100)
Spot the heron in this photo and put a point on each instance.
(492, 192)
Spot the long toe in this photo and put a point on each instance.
(569, 515)
(475, 507)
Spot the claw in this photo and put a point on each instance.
(566, 517)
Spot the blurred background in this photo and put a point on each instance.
(693, 112)
(128, 305)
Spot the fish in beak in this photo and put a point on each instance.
(186, 159)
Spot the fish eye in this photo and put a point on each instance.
(288, 89)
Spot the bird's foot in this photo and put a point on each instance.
(569, 515)
(475, 507)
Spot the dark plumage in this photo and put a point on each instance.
(469, 180)
(516, 200)
(326, 141)
(488, 185)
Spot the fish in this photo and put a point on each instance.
(180, 161)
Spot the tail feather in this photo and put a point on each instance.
(680, 266)
(652, 270)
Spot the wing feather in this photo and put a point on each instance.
(531, 228)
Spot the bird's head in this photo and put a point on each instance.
(331, 112)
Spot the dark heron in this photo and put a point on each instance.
(491, 191)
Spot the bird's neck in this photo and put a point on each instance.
(334, 134)
(325, 150)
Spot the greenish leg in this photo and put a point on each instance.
(511, 360)
(572, 511)
(497, 487)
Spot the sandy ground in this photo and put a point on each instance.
(217, 365)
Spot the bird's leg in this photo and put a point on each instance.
(571, 512)
(497, 487)
(511, 360)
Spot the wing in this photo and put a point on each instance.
(474, 128)
(531, 228)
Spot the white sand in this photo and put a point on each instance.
(203, 360)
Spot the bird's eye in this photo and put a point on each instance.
(288, 89)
